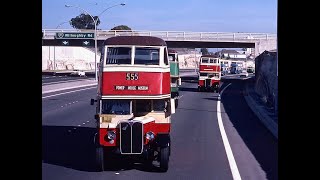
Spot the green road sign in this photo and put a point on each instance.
(65, 43)
(63, 35)
(86, 43)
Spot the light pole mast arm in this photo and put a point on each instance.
(84, 11)
(95, 32)
(122, 4)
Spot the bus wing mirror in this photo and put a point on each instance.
(172, 106)
(92, 101)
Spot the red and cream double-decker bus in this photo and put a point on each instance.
(134, 103)
(209, 73)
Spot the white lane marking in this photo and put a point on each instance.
(179, 97)
(73, 87)
(67, 92)
(65, 81)
(232, 161)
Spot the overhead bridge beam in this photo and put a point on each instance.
(170, 44)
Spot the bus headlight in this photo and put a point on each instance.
(150, 135)
(111, 135)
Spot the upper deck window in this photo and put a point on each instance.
(118, 55)
(213, 61)
(205, 60)
(147, 56)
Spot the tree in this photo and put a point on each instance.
(204, 51)
(121, 27)
(84, 21)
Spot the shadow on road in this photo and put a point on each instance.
(74, 148)
(188, 89)
(257, 138)
(69, 147)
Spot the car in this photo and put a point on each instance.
(244, 74)
(78, 73)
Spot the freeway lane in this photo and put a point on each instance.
(197, 148)
(48, 79)
(255, 148)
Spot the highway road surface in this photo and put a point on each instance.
(211, 139)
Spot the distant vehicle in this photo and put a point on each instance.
(224, 69)
(78, 73)
(174, 75)
(209, 73)
(250, 70)
(244, 73)
(235, 69)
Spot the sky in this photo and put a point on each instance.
(169, 15)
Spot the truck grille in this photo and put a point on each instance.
(131, 137)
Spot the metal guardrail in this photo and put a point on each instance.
(171, 35)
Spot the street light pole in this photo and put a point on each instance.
(62, 23)
(54, 48)
(95, 33)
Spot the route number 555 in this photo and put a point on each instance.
(132, 76)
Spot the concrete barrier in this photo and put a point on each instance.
(260, 113)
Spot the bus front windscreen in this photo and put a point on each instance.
(147, 56)
(118, 55)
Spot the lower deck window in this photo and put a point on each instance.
(142, 105)
(126, 107)
(159, 105)
(121, 107)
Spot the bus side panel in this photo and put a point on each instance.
(209, 67)
(174, 68)
(201, 82)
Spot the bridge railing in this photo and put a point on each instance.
(171, 35)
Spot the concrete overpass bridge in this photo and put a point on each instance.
(174, 39)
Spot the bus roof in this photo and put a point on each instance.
(210, 56)
(172, 51)
(135, 40)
